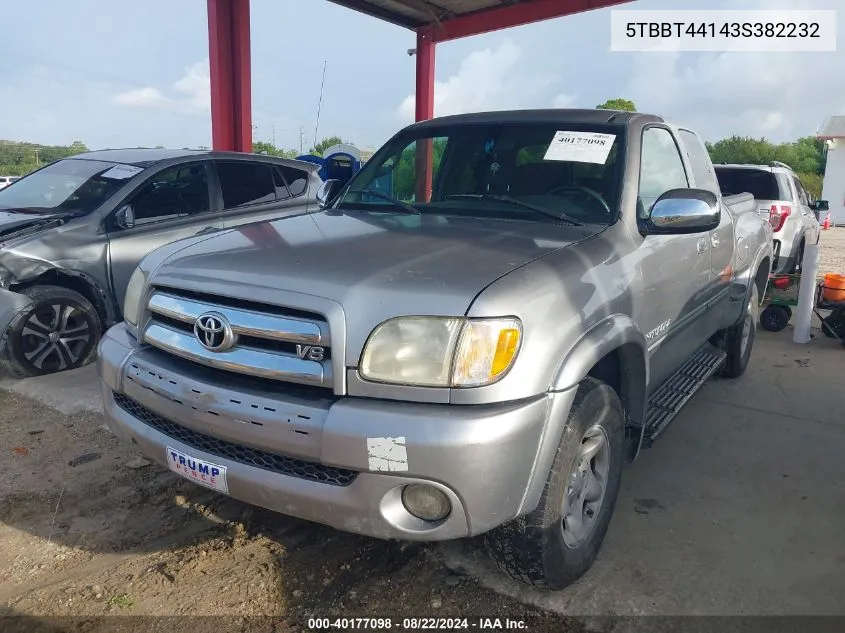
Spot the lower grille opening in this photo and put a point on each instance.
(273, 462)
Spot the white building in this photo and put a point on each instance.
(833, 189)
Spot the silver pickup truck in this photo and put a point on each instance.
(471, 338)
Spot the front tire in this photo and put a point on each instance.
(59, 331)
(556, 543)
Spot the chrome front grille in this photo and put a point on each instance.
(268, 342)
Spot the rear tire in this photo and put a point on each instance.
(833, 325)
(795, 269)
(775, 318)
(556, 543)
(59, 331)
(739, 339)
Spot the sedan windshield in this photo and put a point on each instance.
(546, 172)
(69, 185)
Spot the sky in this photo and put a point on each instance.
(128, 74)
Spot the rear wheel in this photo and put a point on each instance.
(799, 260)
(59, 331)
(554, 545)
(775, 318)
(833, 325)
(739, 339)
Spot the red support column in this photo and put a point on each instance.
(424, 109)
(425, 75)
(231, 86)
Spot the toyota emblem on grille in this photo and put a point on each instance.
(214, 332)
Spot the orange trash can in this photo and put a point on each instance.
(834, 288)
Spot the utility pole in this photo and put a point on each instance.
(274, 135)
(301, 139)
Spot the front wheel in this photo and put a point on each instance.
(59, 331)
(555, 544)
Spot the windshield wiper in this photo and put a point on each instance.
(409, 208)
(517, 202)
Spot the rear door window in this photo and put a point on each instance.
(297, 180)
(802, 195)
(763, 185)
(702, 168)
(244, 184)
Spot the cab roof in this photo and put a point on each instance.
(563, 115)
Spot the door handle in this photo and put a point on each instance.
(714, 240)
(702, 245)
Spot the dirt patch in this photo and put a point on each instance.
(89, 532)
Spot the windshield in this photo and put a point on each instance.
(539, 172)
(70, 185)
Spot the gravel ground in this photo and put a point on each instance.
(832, 258)
(88, 529)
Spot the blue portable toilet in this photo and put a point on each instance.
(339, 162)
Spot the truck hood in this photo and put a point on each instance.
(375, 266)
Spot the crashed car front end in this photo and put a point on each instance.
(11, 303)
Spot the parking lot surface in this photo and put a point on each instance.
(738, 509)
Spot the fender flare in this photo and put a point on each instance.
(742, 283)
(617, 332)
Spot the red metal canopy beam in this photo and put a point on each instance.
(518, 14)
(231, 86)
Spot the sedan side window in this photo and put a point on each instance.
(176, 192)
(290, 182)
(244, 183)
(661, 167)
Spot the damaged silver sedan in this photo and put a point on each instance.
(72, 232)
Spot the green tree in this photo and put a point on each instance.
(20, 158)
(618, 104)
(325, 144)
(262, 147)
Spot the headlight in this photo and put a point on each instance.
(440, 351)
(486, 350)
(132, 300)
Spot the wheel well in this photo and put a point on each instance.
(761, 278)
(624, 370)
(77, 283)
(609, 371)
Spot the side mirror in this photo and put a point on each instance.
(681, 211)
(125, 217)
(327, 192)
(820, 205)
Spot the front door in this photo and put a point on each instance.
(171, 205)
(675, 268)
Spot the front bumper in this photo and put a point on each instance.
(11, 305)
(491, 461)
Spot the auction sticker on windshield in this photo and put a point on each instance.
(121, 172)
(200, 472)
(580, 147)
